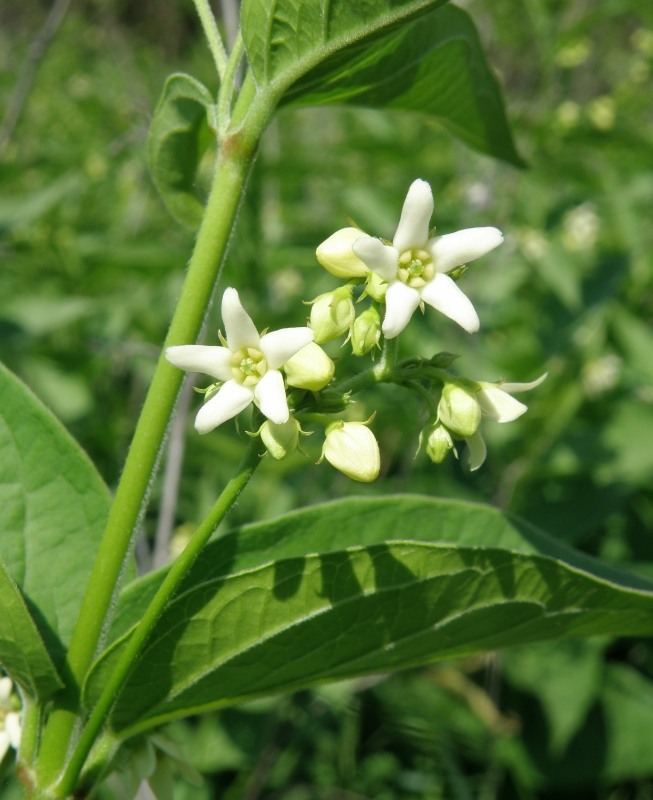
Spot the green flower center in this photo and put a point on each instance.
(416, 268)
(248, 366)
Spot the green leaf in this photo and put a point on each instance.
(53, 506)
(178, 137)
(357, 587)
(410, 56)
(22, 651)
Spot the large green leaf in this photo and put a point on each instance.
(22, 651)
(178, 136)
(409, 56)
(53, 505)
(355, 587)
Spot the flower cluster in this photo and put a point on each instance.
(288, 377)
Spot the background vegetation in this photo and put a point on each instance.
(91, 264)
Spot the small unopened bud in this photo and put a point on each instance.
(280, 440)
(336, 255)
(351, 447)
(366, 332)
(438, 442)
(376, 287)
(459, 410)
(310, 368)
(332, 314)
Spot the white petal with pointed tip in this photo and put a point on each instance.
(212, 361)
(523, 387)
(380, 258)
(455, 249)
(271, 398)
(413, 228)
(499, 405)
(13, 729)
(400, 303)
(443, 294)
(279, 346)
(6, 685)
(231, 399)
(477, 451)
(239, 328)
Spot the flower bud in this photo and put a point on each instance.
(280, 440)
(366, 331)
(438, 442)
(376, 287)
(351, 447)
(459, 410)
(337, 256)
(332, 314)
(310, 368)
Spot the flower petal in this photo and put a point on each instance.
(6, 686)
(270, 396)
(279, 346)
(455, 249)
(523, 387)
(498, 404)
(13, 728)
(413, 228)
(238, 326)
(212, 361)
(231, 399)
(477, 451)
(4, 744)
(400, 302)
(380, 258)
(444, 295)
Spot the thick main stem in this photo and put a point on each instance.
(234, 160)
(138, 639)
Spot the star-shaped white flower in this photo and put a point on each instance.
(249, 366)
(415, 266)
(10, 727)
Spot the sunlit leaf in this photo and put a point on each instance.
(53, 505)
(358, 587)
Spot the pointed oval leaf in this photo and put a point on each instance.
(53, 506)
(23, 654)
(178, 137)
(383, 602)
(409, 56)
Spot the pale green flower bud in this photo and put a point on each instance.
(376, 287)
(280, 440)
(351, 447)
(337, 256)
(332, 314)
(459, 410)
(366, 332)
(310, 368)
(438, 442)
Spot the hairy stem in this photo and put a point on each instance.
(212, 34)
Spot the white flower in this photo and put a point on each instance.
(10, 727)
(498, 404)
(249, 366)
(351, 447)
(415, 266)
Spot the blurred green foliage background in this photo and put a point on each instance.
(91, 266)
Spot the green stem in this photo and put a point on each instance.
(139, 637)
(212, 36)
(234, 161)
(380, 373)
(226, 94)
